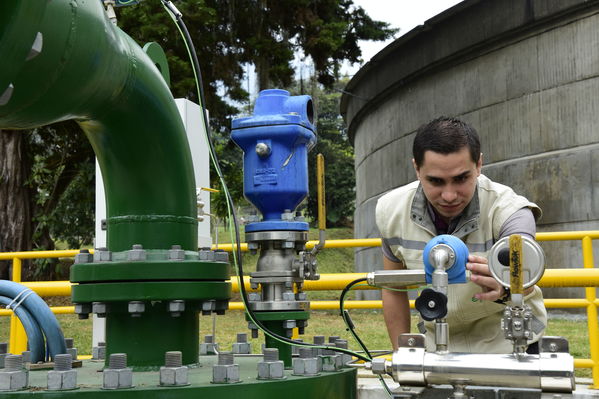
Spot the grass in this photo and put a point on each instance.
(369, 323)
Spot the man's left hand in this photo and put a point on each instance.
(480, 274)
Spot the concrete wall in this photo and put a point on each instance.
(525, 74)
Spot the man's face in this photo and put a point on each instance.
(448, 180)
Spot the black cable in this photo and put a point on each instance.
(345, 314)
(229, 199)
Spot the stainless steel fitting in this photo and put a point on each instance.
(242, 346)
(271, 368)
(71, 350)
(63, 377)
(13, 377)
(173, 373)
(208, 347)
(225, 371)
(306, 364)
(379, 366)
(99, 352)
(117, 375)
(136, 308)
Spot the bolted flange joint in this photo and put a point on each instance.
(13, 377)
(63, 377)
(225, 372)
(173, 373)
(117, 375)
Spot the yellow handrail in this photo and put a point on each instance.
(587, 277)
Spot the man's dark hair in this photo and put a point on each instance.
(445, 135)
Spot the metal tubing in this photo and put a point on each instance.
(592, 322)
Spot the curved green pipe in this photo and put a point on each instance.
(91, 71)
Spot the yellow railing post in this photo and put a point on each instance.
(18, 337)
(588, 262)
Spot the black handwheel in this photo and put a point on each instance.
(431, 304)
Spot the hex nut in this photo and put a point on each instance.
(206, 255)
(254, 296)
(174, 376)
(288, 296)
(305, 366)
(271, 370)
(136, 308)
(221, 256)
(99, 308)
(117, 378)
(379, 366)
(241, 347)
(288, 324)
(99, 353)
(62, 380)
(136, 253)
(102, 255)
(13, 380)
(208, 349)
(84, 257)
(331, 363)
(176, 307)
(225, 373)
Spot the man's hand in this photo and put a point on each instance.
(480, 274)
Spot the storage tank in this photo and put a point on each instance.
(525, 74)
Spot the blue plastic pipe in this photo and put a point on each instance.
(35, 337)
(40, 312)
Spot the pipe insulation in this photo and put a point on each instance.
(64, 59)
(39, 313)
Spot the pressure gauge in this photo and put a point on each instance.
(533, 261)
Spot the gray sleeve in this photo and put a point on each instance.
(521, 222)
(387, 251)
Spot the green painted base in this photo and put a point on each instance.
(337, 385)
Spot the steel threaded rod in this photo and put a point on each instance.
(69, 343)
(333, 339)
(173, 359)
(305, 353)
(208, 339)
(271, 354)
(63, 362)
(242, 338)
(225, 358)
(117, 361)
(319, 339)
(101, 343)
(341, 343)
(13, 363)
(3, 348)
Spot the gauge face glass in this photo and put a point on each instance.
(533, 261)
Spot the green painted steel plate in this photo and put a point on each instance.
(334, 385)
(149, 270)
(150, 291)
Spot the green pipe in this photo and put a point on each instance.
(91, 71)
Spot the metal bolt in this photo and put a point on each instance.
(99, 308)
(26, 356)
(242, 337)
(319, 339)
(13, 363)
(69, 342)
(83, 310)
(225, 358)
(102, 255)
(117, 361)
(270, 354)
(136, 253)
(176, 307)
(431, 304)
(3, 347)
(83, 256)
(136, 308)
(173, 359)
(263, 150)
(63, 362)
(553, 347)
(176, 253)
(288, 296)
(271, 367)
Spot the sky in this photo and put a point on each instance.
(402, 14)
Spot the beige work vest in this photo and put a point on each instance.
(403, 220)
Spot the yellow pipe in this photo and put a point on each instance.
(18, 337)
(68, 253)
(593, 326)
(567, 235)
(322, 207)
(583, 363)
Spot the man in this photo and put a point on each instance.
(451, 196)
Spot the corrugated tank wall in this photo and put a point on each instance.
(525, 74)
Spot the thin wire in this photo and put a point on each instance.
(237, 259)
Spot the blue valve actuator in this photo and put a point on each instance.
(275, 141)
(457, 272)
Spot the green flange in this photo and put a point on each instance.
(150, 291)
(158, 270)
